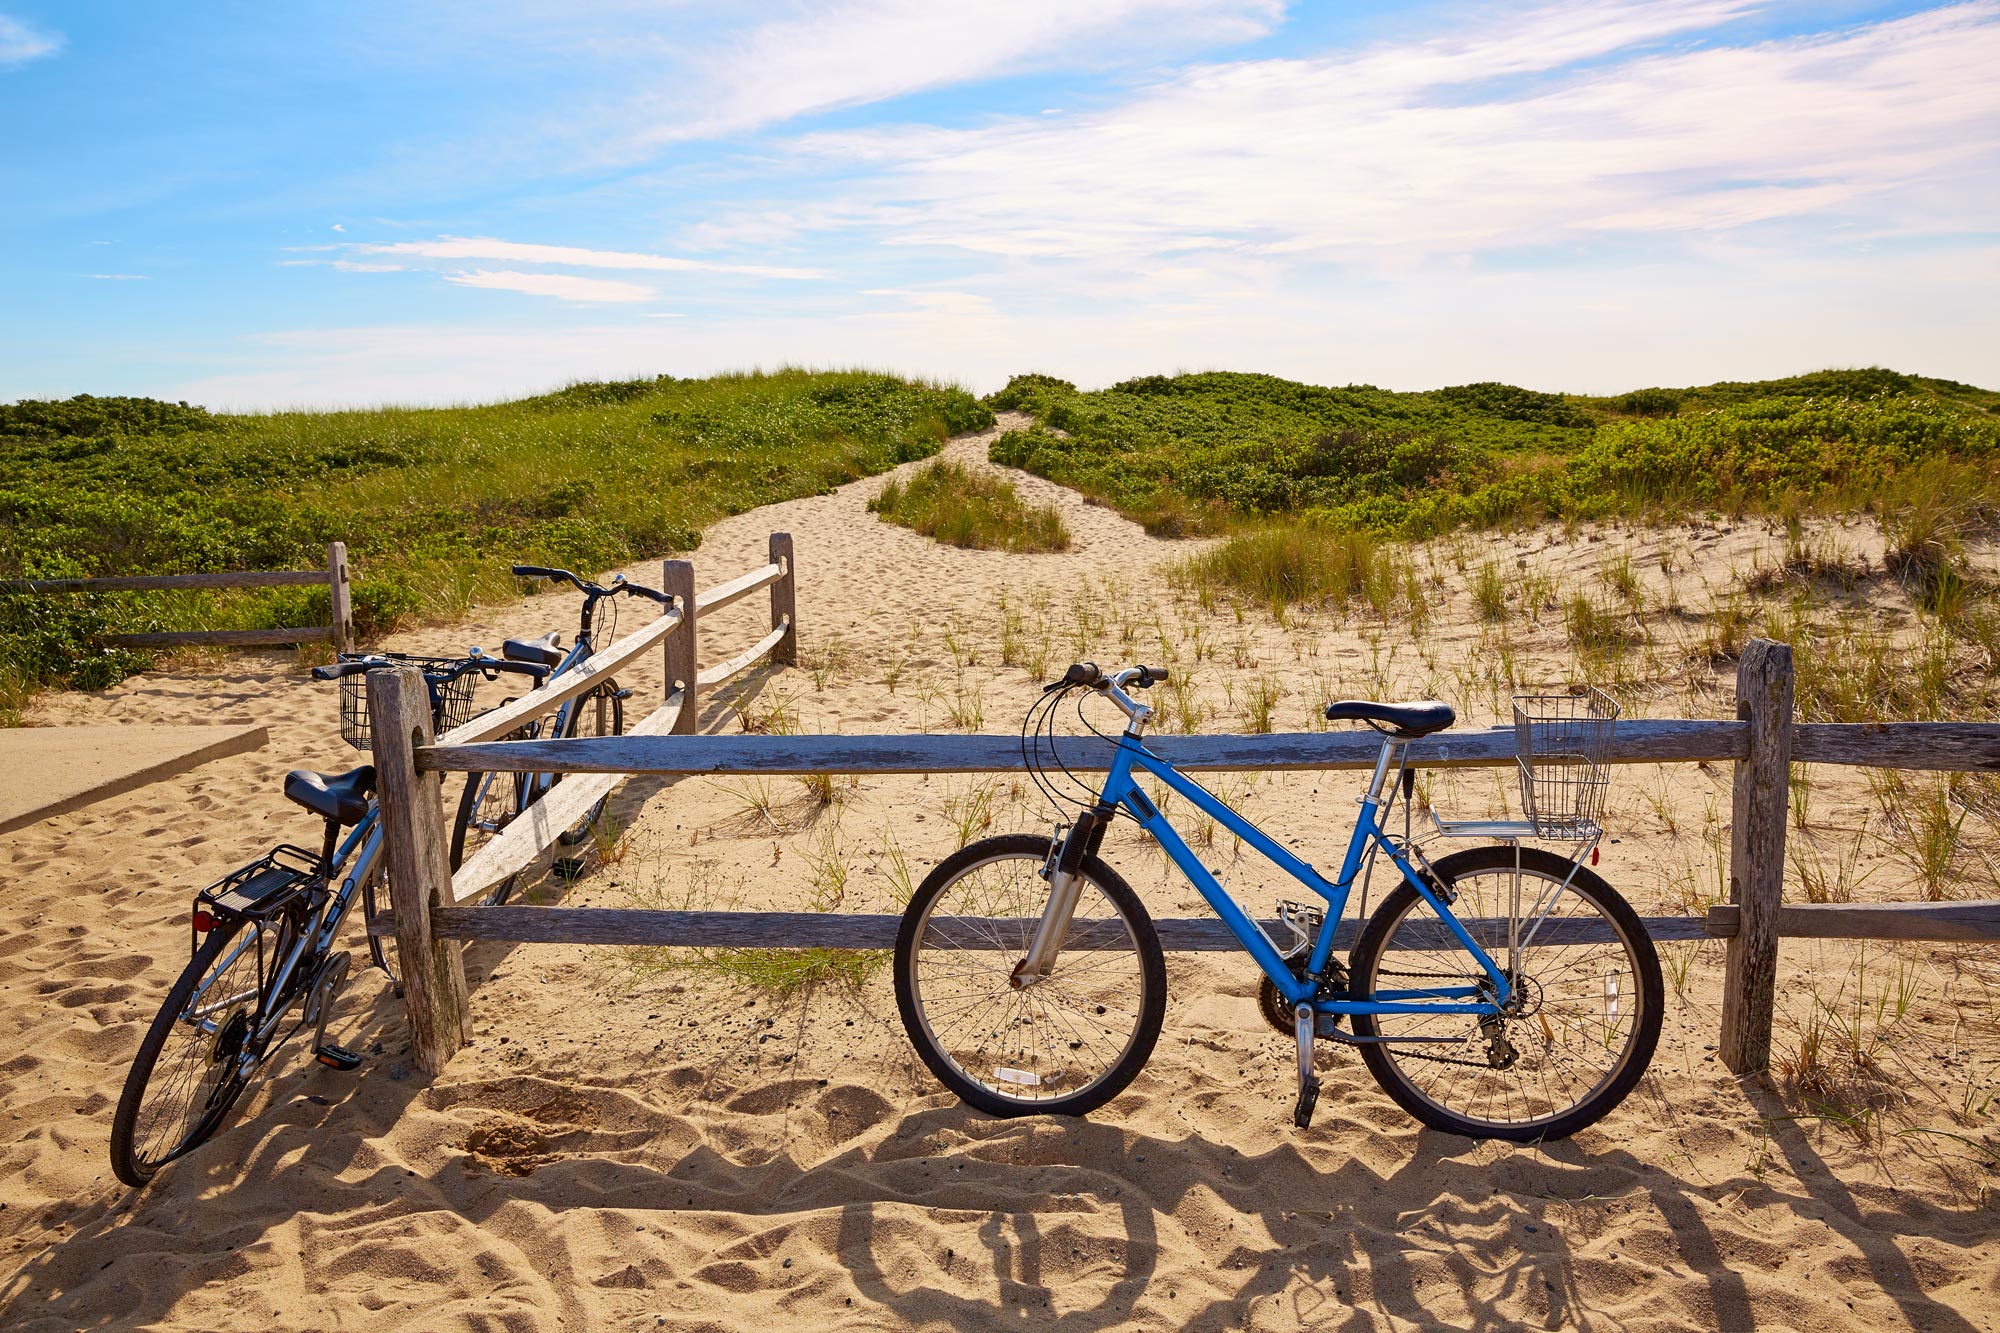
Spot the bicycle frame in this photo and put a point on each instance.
(1122, 789)
(360, 848)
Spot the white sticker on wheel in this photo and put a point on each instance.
(1021, 1076)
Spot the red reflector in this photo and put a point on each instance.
(203, 922)
(1593, 856)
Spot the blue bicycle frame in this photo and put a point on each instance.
(1121, 789)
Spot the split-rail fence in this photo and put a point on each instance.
(340, 632)
(431, 914)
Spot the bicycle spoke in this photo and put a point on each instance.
(1052, 1037)
(1555, 1049)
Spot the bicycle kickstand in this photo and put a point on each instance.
(1307, 1021)
(326, 990)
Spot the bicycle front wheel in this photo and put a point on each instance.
(489, 803)
(186, 1077)
(1579, 1031)
(1064, 1045)
(599, 713)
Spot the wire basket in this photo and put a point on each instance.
(1563, 742)
(451, 695)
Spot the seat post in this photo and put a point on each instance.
(1390, 746)
(331, 841)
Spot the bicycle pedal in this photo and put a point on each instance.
(337, 1057)
(1302, 1113)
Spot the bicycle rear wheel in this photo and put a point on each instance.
(185, 1079)
(1062, 1046)
(1582, 1030)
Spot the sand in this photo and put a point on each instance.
(48, 771)
(617, 1150)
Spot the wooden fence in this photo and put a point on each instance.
(334, 576)
(1763, 742)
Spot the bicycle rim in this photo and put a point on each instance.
(488, 804)
(599, 713)
(185, 1078)
(1066, 1043)
(1587, 1020)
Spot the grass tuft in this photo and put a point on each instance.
(953, 504)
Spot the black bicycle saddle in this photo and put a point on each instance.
(542, 650)
(341, 797)
(1419, 717)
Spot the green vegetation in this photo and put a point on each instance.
(1216, 452)
(1197, 453)
(433, 504)
(960, 507)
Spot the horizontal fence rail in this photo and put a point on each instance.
(858, 930)
(1965, 921)
(1761, 744)
(340, 629)
(1956, 746)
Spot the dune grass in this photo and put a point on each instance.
(1246, 456)
(959, 507)
(434, 504)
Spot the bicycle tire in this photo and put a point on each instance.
(1018, 1046)
(590, 715)
(488, 803)
(1565, 992)
(133, 1157)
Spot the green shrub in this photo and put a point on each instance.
(959, 507)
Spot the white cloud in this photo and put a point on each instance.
(1403, 154)
(570, 256)
(20, 43)
(1738, 316)
(119, 277)
(851, 52)
(560, 285)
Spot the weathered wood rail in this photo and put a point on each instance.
(335, 576)
(536, 829)
(1761, 743)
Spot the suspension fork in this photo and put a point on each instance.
(1065, 887)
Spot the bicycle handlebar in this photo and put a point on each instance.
(435, 670)
(1090, 675)
(619, 583)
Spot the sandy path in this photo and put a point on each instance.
(668, 1153)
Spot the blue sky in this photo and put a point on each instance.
(256, 205)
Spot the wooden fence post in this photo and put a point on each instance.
(1759, 804)
(785, 600)
(677, 580)
(342, 598)
(415, 845)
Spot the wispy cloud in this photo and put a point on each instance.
(562, 286)
(823, 56)
(1407, 152)
(119, 277)
(20, 43)
(569, 256)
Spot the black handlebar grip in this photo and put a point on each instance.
(1082, 673)
(1151, 676)
(537, 572)
(340, 669)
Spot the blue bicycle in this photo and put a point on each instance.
(1503, 991)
